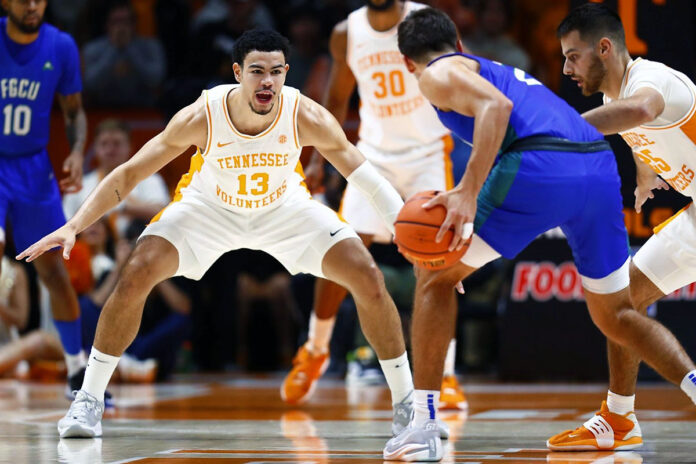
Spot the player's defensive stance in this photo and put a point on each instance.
(244, 189)
(652, 106)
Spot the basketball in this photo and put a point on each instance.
(415, 231)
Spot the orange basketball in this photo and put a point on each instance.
(416, 229)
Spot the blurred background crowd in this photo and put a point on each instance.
(142, 60)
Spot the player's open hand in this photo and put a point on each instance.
(645, 186)
(63, 237)
(73, 167)
(461, 210)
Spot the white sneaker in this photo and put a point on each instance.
(415, 444)
(403, 413)
(83, 419)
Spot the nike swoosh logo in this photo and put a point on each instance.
(99, 360)
(220, 145)
(334, 233)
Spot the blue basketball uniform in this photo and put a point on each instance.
(553, 169)
(30, 75)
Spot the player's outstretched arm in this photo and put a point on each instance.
(318, 128)
(452, 86)
(188, 127)
(337, 97)
(623, 114)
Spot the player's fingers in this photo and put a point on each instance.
(67, 248)
(443, 229)
(457, 236)
(436, 200)
(459, 287)
(24, 253)
(661, 184)
(33, 252)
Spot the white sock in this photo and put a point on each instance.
(425, 406)
(100, 367)
(449, 360)
(619, 404)
(75, 362)
(320, 331)
(688, 385)
(398, 374)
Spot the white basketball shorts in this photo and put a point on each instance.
(298, 233)
(668, 258)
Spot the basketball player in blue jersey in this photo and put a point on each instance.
(36, 62)
(535, 164)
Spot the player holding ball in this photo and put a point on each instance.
(535, 164)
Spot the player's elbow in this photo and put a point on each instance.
(504, 105)
(645, 111)
(501, 107)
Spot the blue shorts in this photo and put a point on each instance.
(29, 194)
(528, 193)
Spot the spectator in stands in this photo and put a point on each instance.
(215, 28)
(491, 39)
(462, 12)
(112, 148)
(122, 69)
(309, 62)
(14, 315)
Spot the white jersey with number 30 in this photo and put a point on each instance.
(394, 115)
(247, 173)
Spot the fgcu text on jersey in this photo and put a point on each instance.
(30, 75)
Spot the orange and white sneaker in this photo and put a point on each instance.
(452, 395)
(606, 431)
(300, 383)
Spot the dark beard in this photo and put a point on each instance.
(262, 113)
(385, 6)
(595, 77)
(25, 28)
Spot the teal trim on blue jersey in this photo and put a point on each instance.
(510, 136)
(496, 187)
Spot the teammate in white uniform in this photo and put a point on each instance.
(401, 136)
(244, 189)
(652, 106)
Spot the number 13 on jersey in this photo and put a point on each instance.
(259, 181)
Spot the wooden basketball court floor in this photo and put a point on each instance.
(242, 420)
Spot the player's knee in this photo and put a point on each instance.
(368, 279)
(442, 280)
(615, 324)
(137, 276)
(639, 300)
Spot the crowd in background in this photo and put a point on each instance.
(247, 312)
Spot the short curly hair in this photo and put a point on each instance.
(262, 40)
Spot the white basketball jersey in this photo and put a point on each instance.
(667, 144)
(247, 173)
(394, 115)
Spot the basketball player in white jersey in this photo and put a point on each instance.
(402, 137)
(653, 107)
(244, 189)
